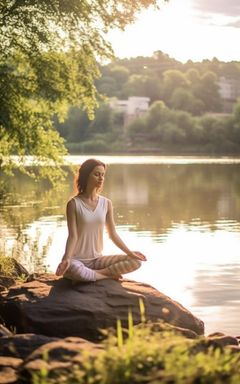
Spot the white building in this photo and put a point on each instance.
(229, 89)
(132, 108)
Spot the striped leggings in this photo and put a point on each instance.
(84, 270)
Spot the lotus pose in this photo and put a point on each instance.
(87, 214)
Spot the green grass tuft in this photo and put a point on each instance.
(153, 357)
(6, 266)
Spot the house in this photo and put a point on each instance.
(132, 108)
(229, 90)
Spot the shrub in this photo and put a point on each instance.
(145, 354)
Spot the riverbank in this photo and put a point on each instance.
(148, 159)
(75, 149)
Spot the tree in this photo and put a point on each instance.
(184, 100)
(41, 24)
(120, 74)
(143, 85)
(207, 90)
(48, 60)
(173, 79)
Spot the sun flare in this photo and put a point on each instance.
(180, 31)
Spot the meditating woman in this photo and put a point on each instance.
(87, 214)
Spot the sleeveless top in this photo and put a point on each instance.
(90, 226)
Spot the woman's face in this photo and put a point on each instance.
(96, 177)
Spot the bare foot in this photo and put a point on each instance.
(117, 277)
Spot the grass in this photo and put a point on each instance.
(142, 355)
(8, 274)
(6, 266)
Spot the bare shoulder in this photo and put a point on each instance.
(71, 204)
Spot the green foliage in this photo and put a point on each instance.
(6, 266)
(119, 333)
(170, 130)
(173, 79)
(142, 310)
(183, 99)
(40, 25)
(48, 61)
(41, 377)
(152, 354)
(161, 129)
(142, 85)
(84, 135)
(162, 78)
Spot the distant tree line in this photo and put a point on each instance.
(183, 114)
(192, 87)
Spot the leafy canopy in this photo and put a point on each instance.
(49, 54)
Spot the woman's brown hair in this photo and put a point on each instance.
(83, 173)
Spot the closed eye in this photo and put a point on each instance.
(100, 174)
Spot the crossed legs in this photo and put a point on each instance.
(101, 268)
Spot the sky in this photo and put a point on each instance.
(184, 29)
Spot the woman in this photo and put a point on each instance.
(87, 214)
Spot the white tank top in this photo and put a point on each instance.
(90, 226)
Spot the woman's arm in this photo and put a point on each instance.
(110, 225)
(71, 240)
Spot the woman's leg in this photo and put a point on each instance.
(115, 265)
(101, 268)
(77, 271)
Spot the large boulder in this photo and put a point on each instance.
(54, 307)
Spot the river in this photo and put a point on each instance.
(182, 212)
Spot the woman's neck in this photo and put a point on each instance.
(90, 195)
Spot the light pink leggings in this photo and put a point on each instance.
(84, 270)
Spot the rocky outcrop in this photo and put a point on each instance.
(25, 356)
(21, 356)
(53, 307)
(56, 323)
(22, 345)
(61, 355)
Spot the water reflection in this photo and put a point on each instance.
(183, 216)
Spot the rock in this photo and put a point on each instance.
(8, 367)
(59, 357)
(160, 327)
(233, 348)
(22, 345)
(4, 331)
(6, 282)
(52, 306)
(222, 341)
(2, 287)
(216, 334)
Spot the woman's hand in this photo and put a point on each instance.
(138, 255)
(62, 267)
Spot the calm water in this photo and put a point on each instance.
(183, 213)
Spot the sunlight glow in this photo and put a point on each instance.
(178, 30)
